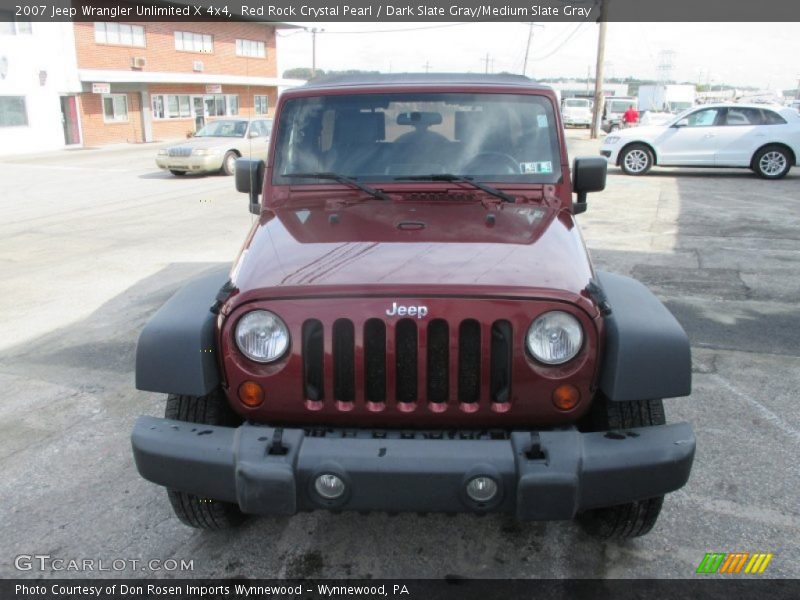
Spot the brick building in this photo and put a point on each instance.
(144, 82)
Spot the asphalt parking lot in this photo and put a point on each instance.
(93, 241)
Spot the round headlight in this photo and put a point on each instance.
(554, 338)
(262, 336)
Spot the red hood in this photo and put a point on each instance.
(437, 247)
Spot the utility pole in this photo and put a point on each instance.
(486, 62)
(314, 32)
(598, 75)
(531, 25)
(427, 66)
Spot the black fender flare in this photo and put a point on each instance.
(647, 353)
(176, 352)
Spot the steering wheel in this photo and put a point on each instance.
(491, 163)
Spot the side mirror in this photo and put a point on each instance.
(249, 175)
(588, 175)
(682, 123)
(252, 134)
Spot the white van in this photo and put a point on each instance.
(576, 112)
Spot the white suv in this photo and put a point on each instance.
(760, 137)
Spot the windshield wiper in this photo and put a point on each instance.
(341, 179)
(459, 178)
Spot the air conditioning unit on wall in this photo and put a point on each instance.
(138, 62)
(197, 65)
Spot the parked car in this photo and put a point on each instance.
(576, 112)
(216, 146)
(763, 138)
(414, 324)
(613, 109)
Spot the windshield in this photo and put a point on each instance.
(576, 103)
(682, 115)
(619, 106)
(385, 137)
(225, 128)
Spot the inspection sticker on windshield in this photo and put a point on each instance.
(544, 166)
(541, 120)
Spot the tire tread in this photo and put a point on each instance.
(633, 519)
(193, 510)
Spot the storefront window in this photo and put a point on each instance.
(115, 108)
(171, 106)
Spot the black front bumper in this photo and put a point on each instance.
(548, 475)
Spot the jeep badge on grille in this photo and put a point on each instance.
(412, 311)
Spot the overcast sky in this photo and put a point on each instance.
(758, 54)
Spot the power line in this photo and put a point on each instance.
(392, 30)
(291, 33)
(561, 45)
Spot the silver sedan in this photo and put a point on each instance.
(216, 147)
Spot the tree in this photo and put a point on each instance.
(301, 73)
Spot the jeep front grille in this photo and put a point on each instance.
(462, 365)
(406, 361)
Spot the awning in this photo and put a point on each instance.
(124, 76)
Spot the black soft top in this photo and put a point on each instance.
(406, 79)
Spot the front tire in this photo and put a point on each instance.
(229, 162)
(633, 519)
(772, 162)
(192, 510)
(636, 159)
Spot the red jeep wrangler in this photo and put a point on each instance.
(413, 324)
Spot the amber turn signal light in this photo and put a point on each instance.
(566, 397)
(251, 394)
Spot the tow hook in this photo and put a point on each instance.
(276, 447)
(534, 450)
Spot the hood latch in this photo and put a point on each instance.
(597, 294)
